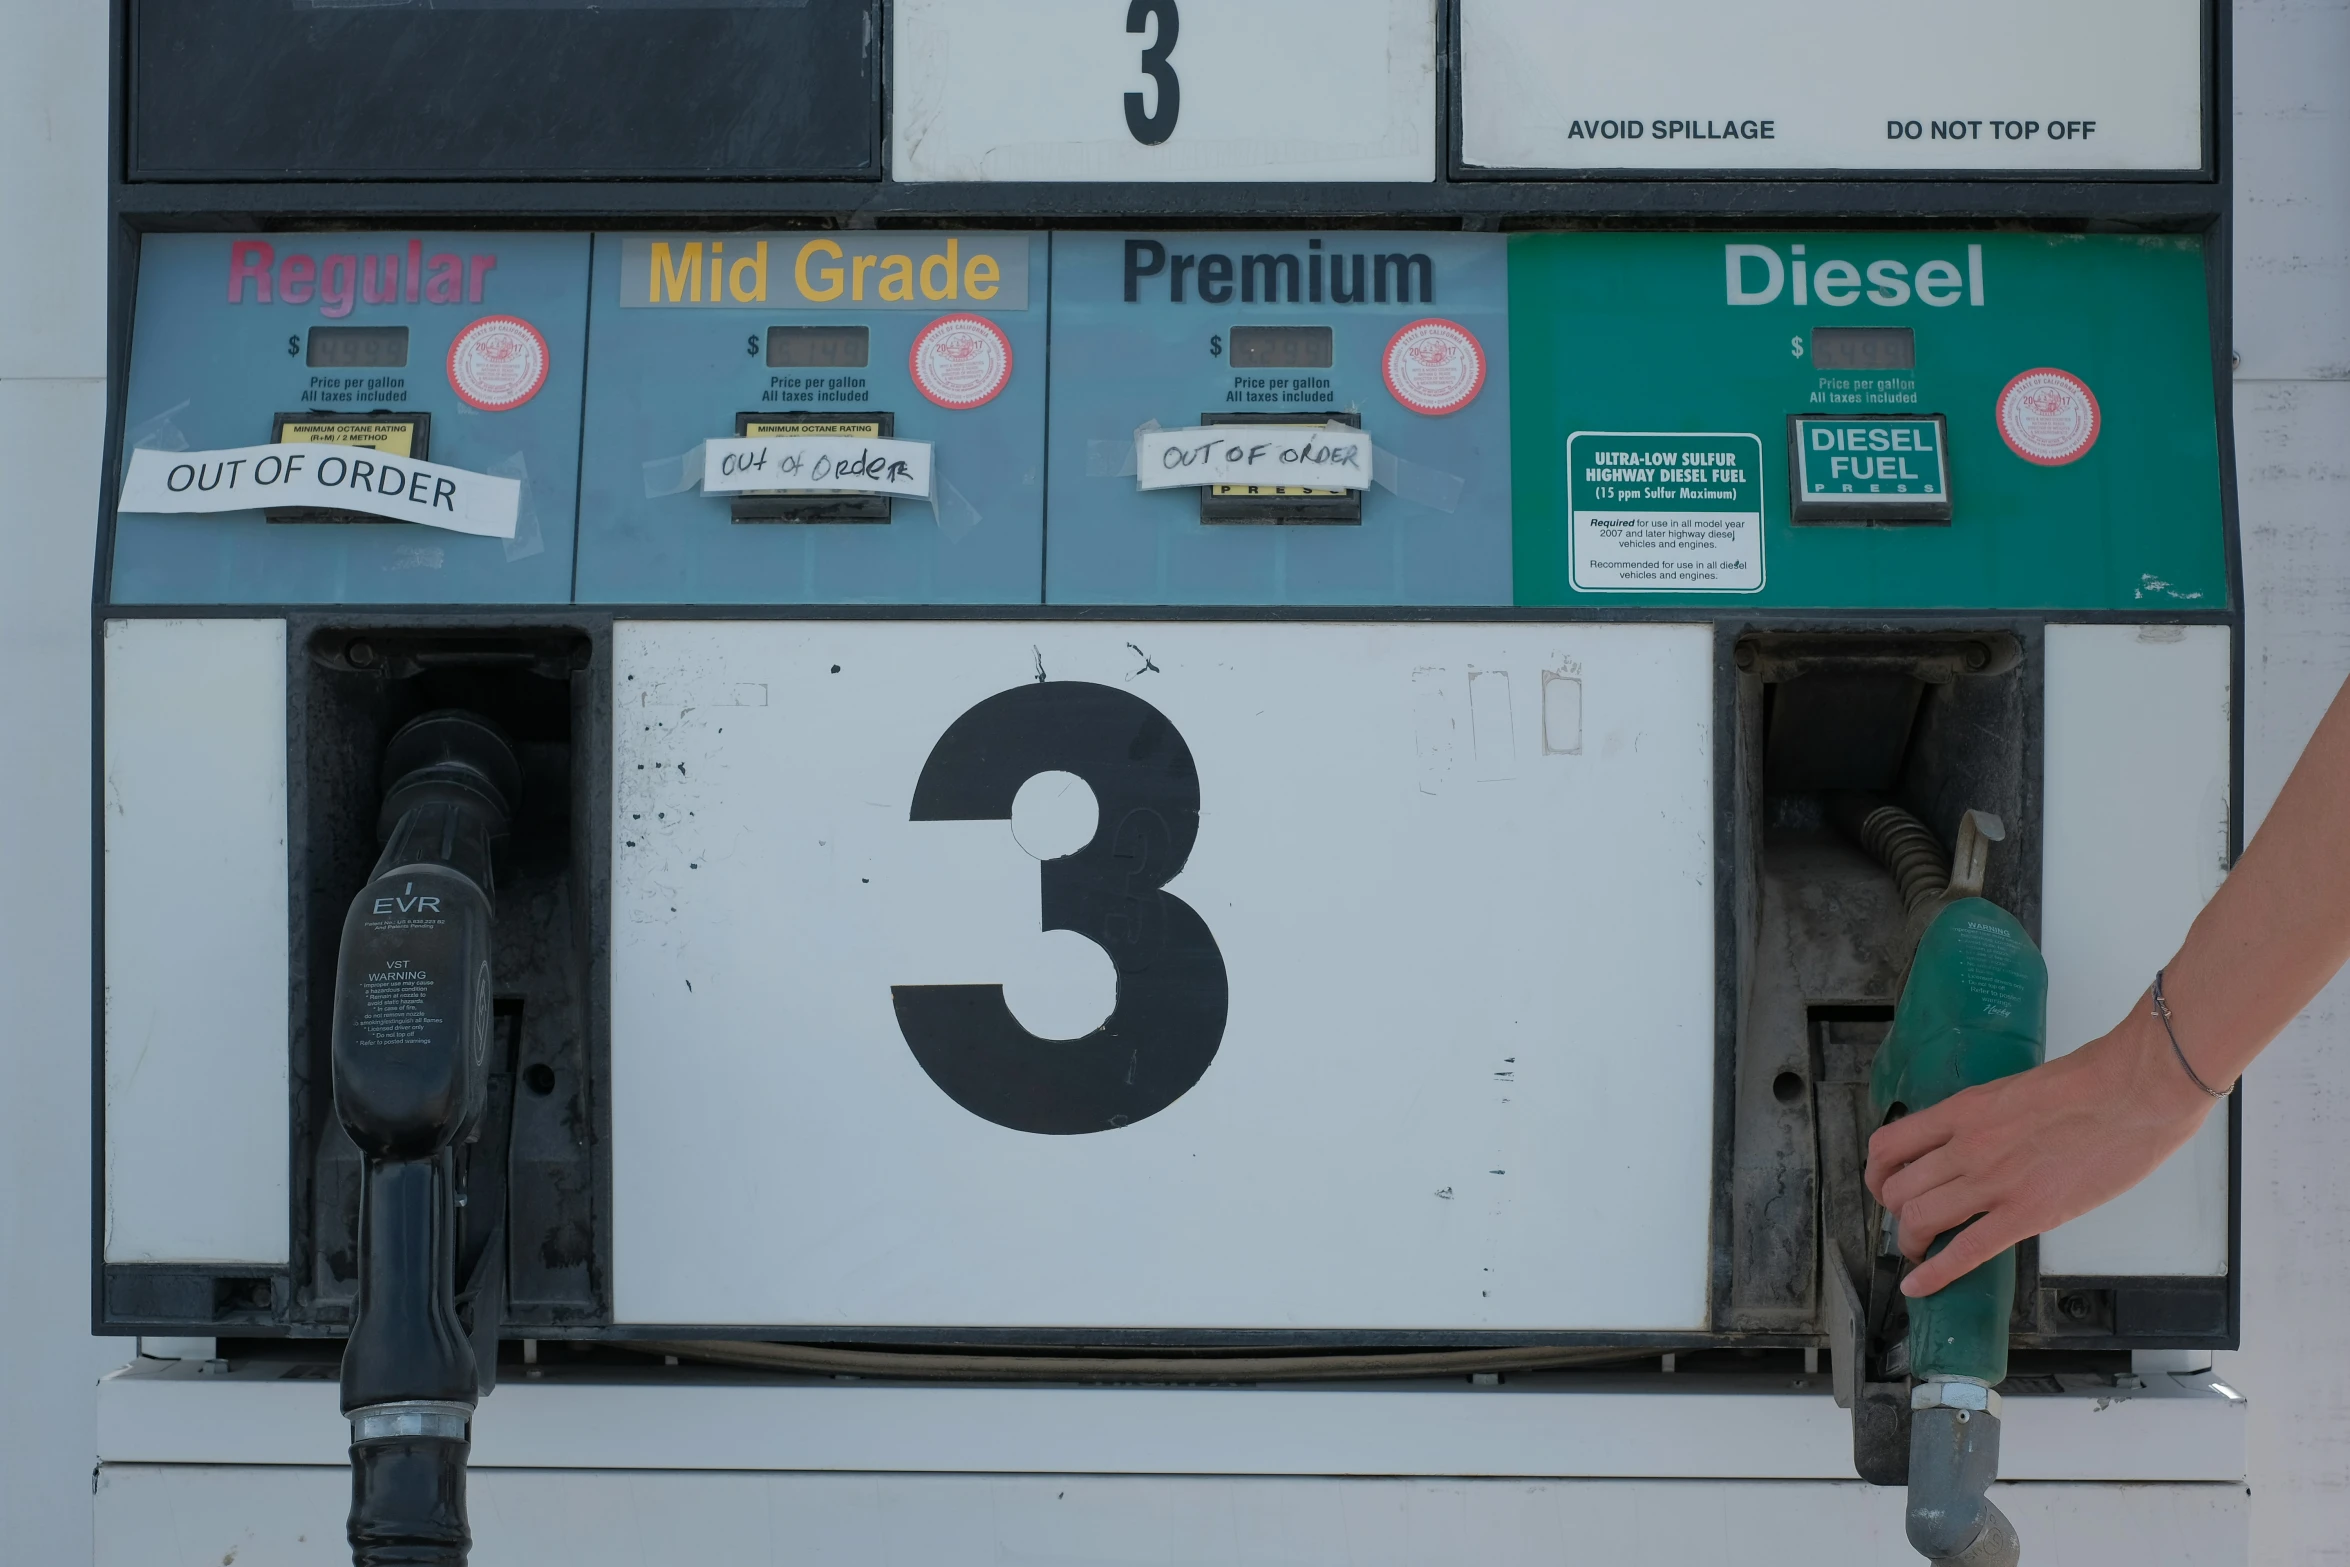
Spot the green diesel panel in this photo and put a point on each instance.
(2074, 374)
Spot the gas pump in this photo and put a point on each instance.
(1014, 834)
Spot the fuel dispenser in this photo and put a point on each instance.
(1111, 799)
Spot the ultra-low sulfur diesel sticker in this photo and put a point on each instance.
(1678, 513)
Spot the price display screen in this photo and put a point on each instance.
(1280, 348)
(1863, 348)
(358, 347)
(818, 347)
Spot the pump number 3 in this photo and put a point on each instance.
(1159, 124)
(1172, 993)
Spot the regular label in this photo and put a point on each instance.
(961, 361)
(1434, 366)
(2049, 417)
(499, 362)
(1665, 513)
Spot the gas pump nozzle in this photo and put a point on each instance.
(1973, 1008)
(412, 1023)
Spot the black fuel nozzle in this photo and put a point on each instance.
(412, 1027)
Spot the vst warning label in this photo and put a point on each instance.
(393, 1002)
(1665, 513)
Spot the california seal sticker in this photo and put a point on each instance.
(499, 362)
(2049, 417)
(960, 361)
(1434, 366)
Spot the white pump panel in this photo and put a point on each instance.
(196, 941)
(1462, 881)
(2136, 844)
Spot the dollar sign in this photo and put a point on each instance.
(1216, 344)
(1795, 346)
(293, 346)
(751, 345)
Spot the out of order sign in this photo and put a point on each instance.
(1832, 84)
(1174, 90)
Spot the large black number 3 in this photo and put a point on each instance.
(1155, 127)
(1172, 996)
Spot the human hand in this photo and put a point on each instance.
(2028, 1152)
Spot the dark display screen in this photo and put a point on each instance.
(1280, 348)
(1863, 348)
(358, 347)
(818, 347)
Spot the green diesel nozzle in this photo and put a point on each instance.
(1974, 1008)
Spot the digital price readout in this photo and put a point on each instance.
(358, 348)
(1863, 348)
(818, 347)
(1281, 348)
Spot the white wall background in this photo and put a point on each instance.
(52, 397)
(2293, 444)
(2293, 465)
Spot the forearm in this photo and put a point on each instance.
(2279, 927)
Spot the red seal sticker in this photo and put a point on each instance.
(960, 361)
(2048, 417)
(499, 362)
(1434, 366)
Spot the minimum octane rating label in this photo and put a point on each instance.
(397, 437)
(1665, 512)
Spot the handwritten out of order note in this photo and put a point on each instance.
(1321, 456)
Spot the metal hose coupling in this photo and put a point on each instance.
(408, 1484)
(1953, 1458)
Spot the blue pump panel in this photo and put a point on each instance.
(1406, 334)
(933, 337)
(232, 332)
